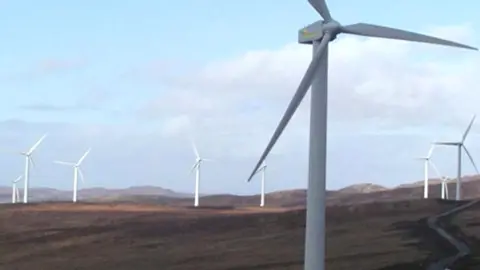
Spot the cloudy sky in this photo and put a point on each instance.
(134, 79)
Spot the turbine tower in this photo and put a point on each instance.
(28, 160)
(15, 192)
(460, 145)
(76, 172)
(196, 167)
(426, 164)
(444, 188)
(262, 192)
(320, 34)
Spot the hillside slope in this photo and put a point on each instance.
(380, 236)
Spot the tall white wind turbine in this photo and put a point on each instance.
(28, 160)
(426, 164)
(15, 192)
(461, 145)
(320, 34)
(196, 167)
(262, 170)
(76, 171)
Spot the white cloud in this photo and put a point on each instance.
(395, 85)
(387, 101)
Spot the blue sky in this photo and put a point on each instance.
(91, 64)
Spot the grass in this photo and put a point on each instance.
(375, 236)
(466, 226)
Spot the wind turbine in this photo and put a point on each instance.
(262, 192)
(460, 145)
(76, 172)
(427, 163)
(15, 192)
(444, 188)
(320, 34)
(28, 160)
(196, 166)
(443, 179)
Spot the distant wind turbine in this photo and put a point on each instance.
(427, 163)
(76, 172)
(460, 145)
(196, 166)
(15, 192)
(444, 188)
(443, 183)
(262, 194)
(28, 160)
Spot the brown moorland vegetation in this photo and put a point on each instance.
(374, 236)
(466, 226)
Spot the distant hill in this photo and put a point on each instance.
(354, 194)
(50, 194)
(362, 188)
(360, 194)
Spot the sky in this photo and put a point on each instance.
(134, 80)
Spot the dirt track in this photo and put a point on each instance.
(383, 236)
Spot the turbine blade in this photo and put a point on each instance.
(321, 7)
(37, 144)
(193, 167)
(263, 167)
(18, 178)
(81, 175)
(257, 171)
(437, 172)
(83, 157)
(64, 163)
(471, 158)
(295, 102)
(371, 30)
(194, 147)
(446, 143)
(30, 159)
(208, 159)
(430, 151)
(468, 128)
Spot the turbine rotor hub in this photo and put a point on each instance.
(333, 28)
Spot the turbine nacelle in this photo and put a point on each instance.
(317, 30)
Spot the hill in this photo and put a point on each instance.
(359, 193)
(362, 188)
(297, 198)
(467, 227)
(50, 194)
(377, 236)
